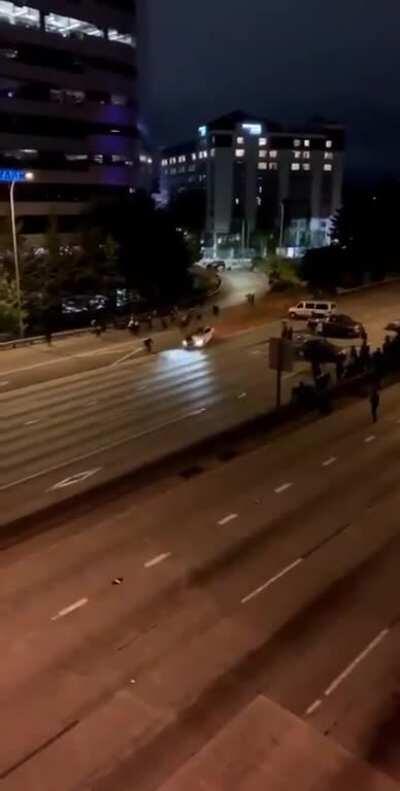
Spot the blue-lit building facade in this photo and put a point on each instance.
(68, 106)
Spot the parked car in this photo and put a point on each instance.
(319, 350)
(219, 266)
(308, 309)
(199, 339)
(337, 325)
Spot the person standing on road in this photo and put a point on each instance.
(374, 400)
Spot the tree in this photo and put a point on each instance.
(323, 268)
(9, 312)
(153, 256)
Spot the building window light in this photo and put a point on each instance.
(212, 152)
(306, 155)
(240, 141)
(295, 166)
(239, 152)
(237, 201)
(194, 157)
(121, 38)
(328, 144)
(117, 158)
(172, 160)
(24, 16)
(98, 159)
(76, 157)
(297, 154)
(327, 167)
(262, 153)
(296, 143)
(306, 166)
(66, 26)
(273, 166)
(182, 158)
(262, 165)
(307, 143)
(328, 155)
(119, 100)
(115, 131)
(262, 141)
(273, 154)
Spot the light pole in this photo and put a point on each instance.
(282, 226)
(15, 177)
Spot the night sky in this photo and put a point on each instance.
(283, 59)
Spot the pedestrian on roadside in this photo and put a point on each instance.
(374, 400)
(284, 330)
(148, 345)
(339, 368)
(290, 333)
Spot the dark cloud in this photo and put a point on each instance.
(286, 59)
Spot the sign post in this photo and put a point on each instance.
(280, 359)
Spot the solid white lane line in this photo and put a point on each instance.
(349, 669)
(283, 488)
(159, 559)
(126, 357)
(271, 581)
(328, 462)
(370, 438)
(71, 608)
(314, 707)
(227, 519)
(32, 422)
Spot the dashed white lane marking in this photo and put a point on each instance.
(197, 412)
(349, 669)
(314, 707)
(328, 462)
(370, 438)
(271, 581)
(67, 610)
(73, 480)
(159, 559)
(242, 395)
(227, 519)
(32, 422)
(283, 488)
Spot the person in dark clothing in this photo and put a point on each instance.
(374, 400)
(48, 336)
(148, 344)
(339, 368)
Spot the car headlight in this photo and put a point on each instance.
(199, 343)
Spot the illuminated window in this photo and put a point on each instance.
(66, 26)
(172, 160)
(327, 167)
(119, 100)
(117, 159)
(240, 141)
(307, 143)
(194, 157)
(306, 166)
(122, 38)
(262, 165)
(237, 201)
(273, 154)
(262, 153)
(295, 166)
(21, 15)
(98, 159)
(164, 162)
(212, 152)
(182, 158)
(273, 166)
(328, 155)
(297, 154)
(328, 144)
(76, 157)
(306, 155)
(296, 143)
(262, 141)
(239, 152)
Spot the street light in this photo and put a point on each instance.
(13, 177)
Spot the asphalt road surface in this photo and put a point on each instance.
(131, 634)
(62, 435)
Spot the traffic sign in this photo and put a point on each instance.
(7, 174)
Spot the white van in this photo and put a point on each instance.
(312, 309)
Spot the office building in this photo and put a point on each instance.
(261, 175)
(68, 107)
